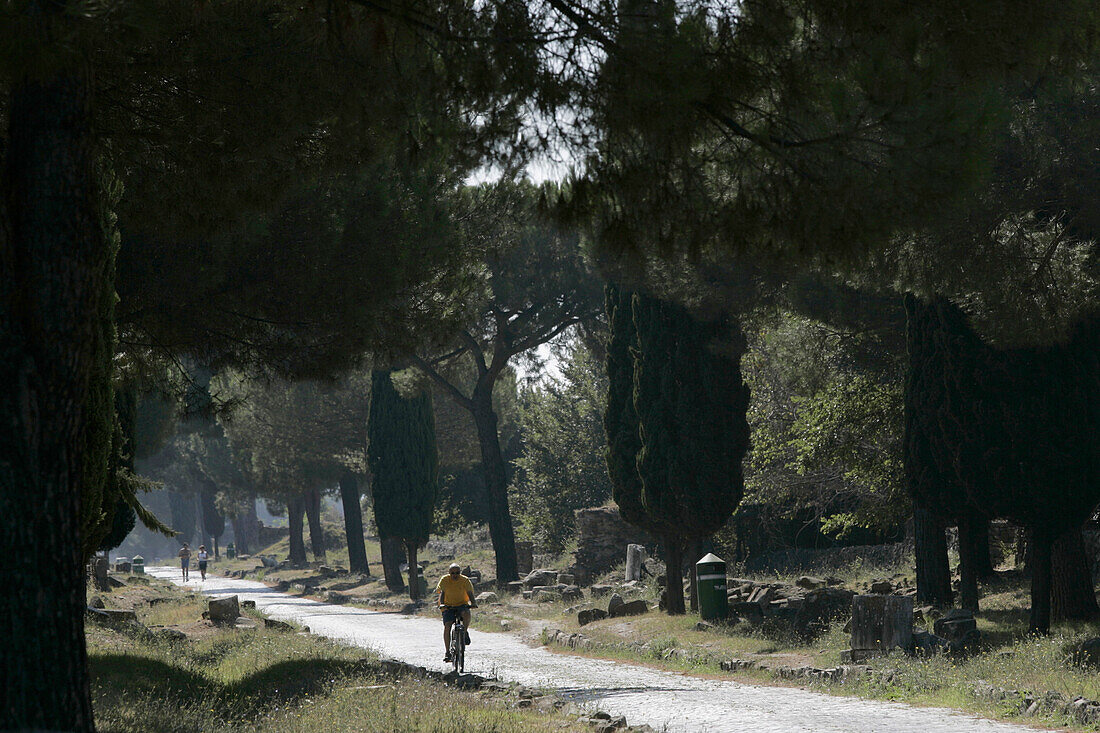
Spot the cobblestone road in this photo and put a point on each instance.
(668, 700)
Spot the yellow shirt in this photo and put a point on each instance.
(456, 591)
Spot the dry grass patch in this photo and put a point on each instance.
(253, 681)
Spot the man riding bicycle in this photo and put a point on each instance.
(456, 598)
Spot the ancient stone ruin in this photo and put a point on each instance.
(602, 537)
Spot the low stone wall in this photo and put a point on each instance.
(832, 558)
(267, 536)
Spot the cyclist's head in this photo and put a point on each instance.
(454, 569)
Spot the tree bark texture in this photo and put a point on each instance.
(695, 551)
(1072, 594)
(933, 568)
(294, 510)
(983, 556)
(246, 530)
(674, 577)
(353, 524)
(496, 484)
(391, 563)
(53, 269)
(968, 562)
(1040, 582)
(414, 584)
(316, 533)
(200, 521)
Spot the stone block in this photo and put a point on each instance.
(224, 610)
(882, 622)
(541, 577)
(276, 625)
(751, 612)
(630, 608)
(882, 587)
(589, 615)
(572, 593)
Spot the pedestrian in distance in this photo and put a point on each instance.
(185, 560)
(203, 559)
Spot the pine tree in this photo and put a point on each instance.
(404, 466)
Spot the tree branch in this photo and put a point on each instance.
(454, 392)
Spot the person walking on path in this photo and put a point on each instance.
(456, 597)
(203, 559)
(185, 559)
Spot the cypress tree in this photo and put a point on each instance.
(404, 464)
(1009, 433)
(620, 419)
(688, 403)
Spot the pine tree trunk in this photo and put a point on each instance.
(674, 577)
(316, 533)
(1072, 595)
(246, 529)
(239, 537)
(216, 547)
(353, 524)
(496, 484)
(391, 564)
(53, 261)
(695, 552)
(200, 519)
(414, 585)
(1041, 547)
(968, 572)
(983, 557)
(933, 568)
(294, 510)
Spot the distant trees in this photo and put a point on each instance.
(680, 477)
(295, 441)
(826, 418)
(404, 465)
(562, 467)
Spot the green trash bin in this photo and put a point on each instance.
(230, 551)
(137, 565)
(710, 579)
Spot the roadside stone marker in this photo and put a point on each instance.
(881, 623)
(635, 560)
(224, 610)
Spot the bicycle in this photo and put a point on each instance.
(458, 645)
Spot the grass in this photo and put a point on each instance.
(1011, 659)
(259, 681)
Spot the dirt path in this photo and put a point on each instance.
(665, 700)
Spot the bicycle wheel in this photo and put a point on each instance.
(460, 648)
